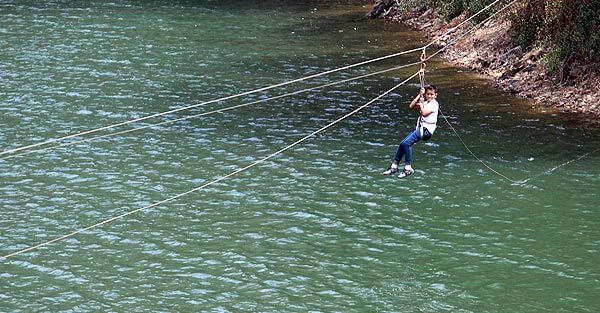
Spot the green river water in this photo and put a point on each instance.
(316, 228)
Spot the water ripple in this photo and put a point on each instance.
(317, 228)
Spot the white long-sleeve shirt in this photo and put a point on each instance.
(430, 121)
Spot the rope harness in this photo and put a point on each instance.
(423, 65)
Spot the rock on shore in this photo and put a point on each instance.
(489, 51)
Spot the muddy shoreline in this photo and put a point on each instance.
(519, 72)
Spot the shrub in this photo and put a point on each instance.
(527, 24)
(571, 27)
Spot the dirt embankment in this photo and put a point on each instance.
(489, 51)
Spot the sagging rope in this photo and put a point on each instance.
(516, 182)
(477, 158)
(423, 84)
(56, 140)
(214, 181)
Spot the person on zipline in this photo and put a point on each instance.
(426, 123)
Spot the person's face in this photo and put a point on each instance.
(430, 95)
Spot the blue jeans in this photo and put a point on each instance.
(405, 150)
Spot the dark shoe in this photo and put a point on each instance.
(405, 173)
(390, 171)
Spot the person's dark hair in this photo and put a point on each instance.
(431, 87)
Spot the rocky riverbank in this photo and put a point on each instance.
(490, 52)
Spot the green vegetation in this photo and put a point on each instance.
(453, 8)
(570, 29)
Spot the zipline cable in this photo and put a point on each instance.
(448, 122)
(472, 29)
(424, 59)
(516, 182)
(234, 173)
(226, 176)
(451, 30)
(209, 112)
(208, 102)
(214, 181)
(10, 151)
